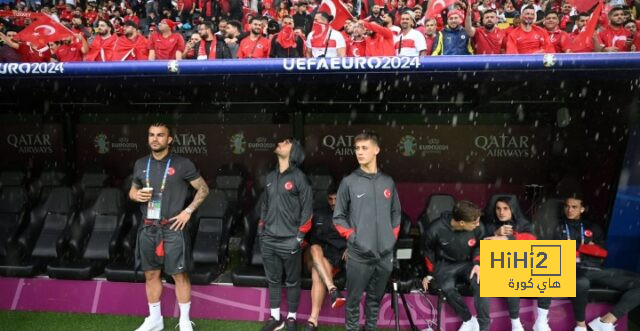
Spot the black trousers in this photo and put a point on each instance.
(277, 260)
(622, 280)
(372, 277)
(514, 306)
(447, 276)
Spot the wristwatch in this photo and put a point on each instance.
(188, 210)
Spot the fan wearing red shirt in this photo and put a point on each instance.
(430, 29)
(560, 39)
(356, 45)
(633, 28)
(615, 38)
(70, 50)
(102, 45)
(487, 39)
(131, 17)
(131, 46)
(529, 38)
(165, 44)
(379, 39)
(255, 45)
(27, 51)
(581, 23)
(91, 15)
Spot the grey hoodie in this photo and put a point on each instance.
(368, 214)
(287, 207)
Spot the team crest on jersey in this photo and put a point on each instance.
(171, 171)
(471, 242)
(288, 185)
(387, 193)
(588, 233)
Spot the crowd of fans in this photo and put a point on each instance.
(121, 30)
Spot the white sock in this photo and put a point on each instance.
(154, 310)
(542, 313)
(291, 315)
(275, 313)
(515, 321)
(580, 328)
(184, 311)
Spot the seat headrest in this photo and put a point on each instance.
(94, 180)
(229, 181)
(12, 178)
(52, 178)
(516, 210)
(437, 204)
(214, 206)
(110, 201)
(60, 201)
(320, 182)
(12, 199)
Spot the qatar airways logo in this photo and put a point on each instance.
(341, 145)
(505, 146)
(31, 143)
(190, 143)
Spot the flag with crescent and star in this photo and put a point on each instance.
(42, 30)
(437, 6)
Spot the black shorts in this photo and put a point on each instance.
(331, 253)
(163, 249)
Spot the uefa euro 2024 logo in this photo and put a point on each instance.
(408, 146)
(238, 143)
(101, 143)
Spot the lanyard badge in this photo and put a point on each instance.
(154, 206)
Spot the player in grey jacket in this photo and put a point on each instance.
(367, 214)
(285, 218)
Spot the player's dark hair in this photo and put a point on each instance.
(160, 125)
(465, 211)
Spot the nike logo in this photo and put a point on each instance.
(360, 195)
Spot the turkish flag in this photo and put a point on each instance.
(583, 5)
(43, 30)
(320, 33)
(437, 6)
(582, 39)
(336, 9)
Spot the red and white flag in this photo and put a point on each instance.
(336, 9)
(437, 6)
(320, 33)
(583, 5)
(581, 41)
(42, 30)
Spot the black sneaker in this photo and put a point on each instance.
(272, 324)
(310, 327)
(337, 300)
(291, 324)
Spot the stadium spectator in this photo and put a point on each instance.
(165, 44)
(210, 46)
(255, 45)
(131, 17)
(376, 14)
(528, 38)
(614, 37)
(409, 42)
(580, 24)
(633, 28)
(287, 43)
(101, 48)
(568, 17)
(378, 39)
(302, 18)
(560, 40)
(8, 53)
(367, 215)
(162, 241)
(324, 257)
(233, 36)
(430, 29)
(131, 46)
(505, 224)
(458, 260)
(590, 257)
(285, 219)
(356, 44)
(323, 40)
(453, 39)
(487, 39)
(222, 27)
(70, 50)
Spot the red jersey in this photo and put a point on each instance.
(381, 42)
(166, 48)
(91, 17)
(612, 37)
(356, 48)
(250, 49)
(430, 40)
(28, 54)
(69, 52)
(101, 48)
(534, 41)
(489, 42)
(586, 48)
(126, 49)
(560, 40)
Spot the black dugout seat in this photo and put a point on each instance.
(251, 272)
(13, 219)
(40, 188)
(12, 178)
(210, 246)
(230, 180)
(122, 269)
(94, 238)
(321, 180)
(436, 204)
(90, 186)
(45, 235)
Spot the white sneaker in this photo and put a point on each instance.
(541, 325)
(598, 325)
(580, 328)
(186, 325)
(470, 325)
(152, 324)
(516, 325)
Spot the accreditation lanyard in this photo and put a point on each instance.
(164, 178)
(566, 226)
